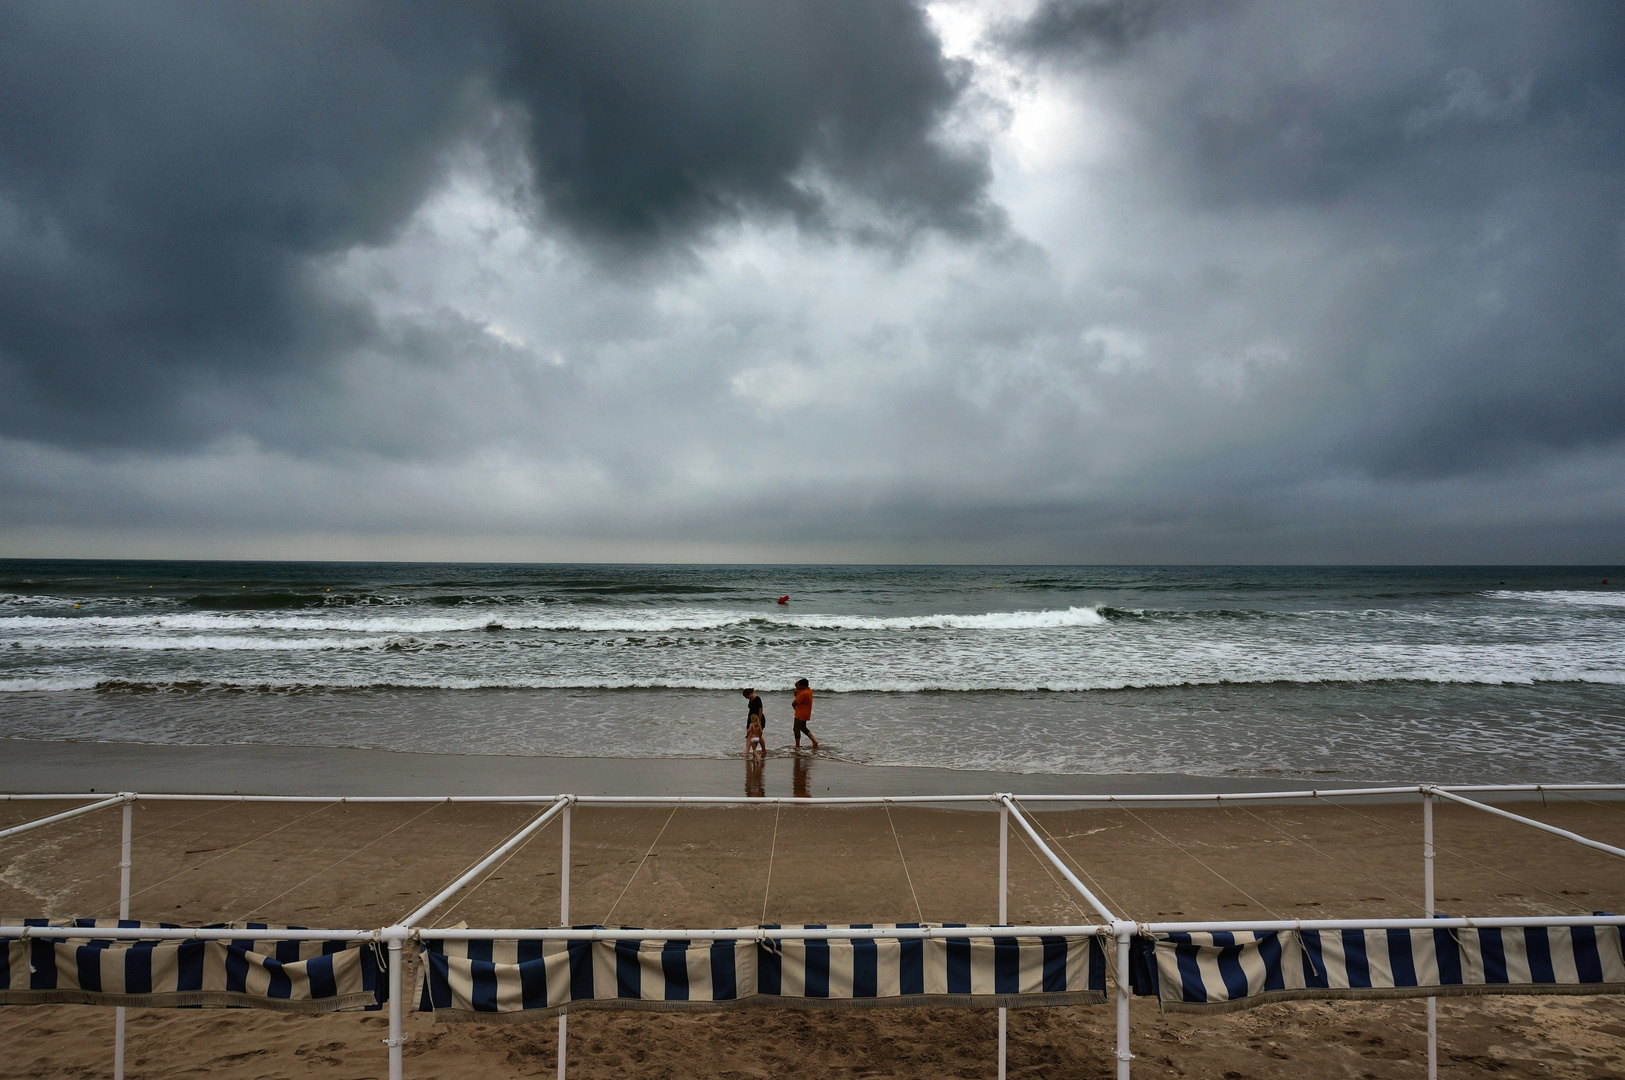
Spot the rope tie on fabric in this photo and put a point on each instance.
(1304, 952)
(380, 959)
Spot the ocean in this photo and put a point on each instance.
(1448, 674)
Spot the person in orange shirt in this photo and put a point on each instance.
(802, 707)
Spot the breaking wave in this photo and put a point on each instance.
(643, 621)
(1574, 597)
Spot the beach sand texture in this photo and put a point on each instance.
(363, 865)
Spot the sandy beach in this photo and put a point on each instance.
(367, 865)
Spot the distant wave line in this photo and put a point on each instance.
(644, 622)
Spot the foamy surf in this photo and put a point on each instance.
(1574, 597)
(646, 621)
(1058, 669)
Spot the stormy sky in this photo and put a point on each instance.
(825, 280)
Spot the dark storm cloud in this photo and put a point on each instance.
(1097, 29)
(165, 171)
(655, 118)
(1475, 152)
(1277, 280)
(169, 172)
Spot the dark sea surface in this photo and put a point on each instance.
(1468, 674)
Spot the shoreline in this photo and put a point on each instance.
(30, 766)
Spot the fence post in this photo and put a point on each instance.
(396, 936)
(1004, 908)
(1124, 932)
(1427, 900)
(564, 909)
(123, 913)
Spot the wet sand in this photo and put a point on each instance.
(367, 865)
(270, 769)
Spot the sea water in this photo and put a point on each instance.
(1470, 674)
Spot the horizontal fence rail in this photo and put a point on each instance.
(1436, 923)
(104, 799)
(116, 800)
(184, 933)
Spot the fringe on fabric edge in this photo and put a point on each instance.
(960, 1001)
(1392, 993)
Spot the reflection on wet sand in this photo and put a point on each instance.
(801, 770)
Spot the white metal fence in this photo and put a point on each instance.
(1113, 925)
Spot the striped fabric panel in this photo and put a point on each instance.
(303, 976)
(1238, 970)
(514, 979)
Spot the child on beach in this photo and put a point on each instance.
(754, 746)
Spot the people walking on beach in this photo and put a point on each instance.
(802, 708)
(753, 710)
(754, 747)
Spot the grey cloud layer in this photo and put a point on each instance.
(1290, 281)
(168, 172)
(1475, 151)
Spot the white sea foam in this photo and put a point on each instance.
(244, 623)
(1581, 597)
(644, 621)
(997, 620)
(35, 600)
(57, 683)
(199, 642)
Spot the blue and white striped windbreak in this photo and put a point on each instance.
(1222, 971)
(293, 976)
(496, 980)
